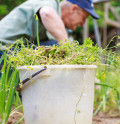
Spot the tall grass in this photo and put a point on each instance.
(107, 96)
(8, 82)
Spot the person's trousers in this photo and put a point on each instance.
(1, 59)
(48, 43)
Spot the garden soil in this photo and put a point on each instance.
(108, 118)
(104, 120)
(98, 119)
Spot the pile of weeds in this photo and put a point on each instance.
(69, 53)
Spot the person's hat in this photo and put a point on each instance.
(86, 5)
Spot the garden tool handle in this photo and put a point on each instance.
(18, 88)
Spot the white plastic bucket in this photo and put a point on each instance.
(62, 94)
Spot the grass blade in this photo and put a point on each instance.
(2, 90)
(11, 95)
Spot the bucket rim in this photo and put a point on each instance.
(56, 66)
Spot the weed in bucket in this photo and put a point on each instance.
(69, 53)
(72, 53)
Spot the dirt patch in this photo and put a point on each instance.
(15, 118)
(101, 118)
(98, 119)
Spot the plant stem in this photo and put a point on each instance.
(38, 41)
(98, 109)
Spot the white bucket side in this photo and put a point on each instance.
(59, 95)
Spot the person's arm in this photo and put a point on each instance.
(53, 23)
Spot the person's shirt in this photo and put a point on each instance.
(21, 22)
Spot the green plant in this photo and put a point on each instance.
(37, 20)
(8, 83)
(108, 76)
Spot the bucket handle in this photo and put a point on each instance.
(18, 88)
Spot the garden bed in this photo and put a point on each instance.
(100, 118)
